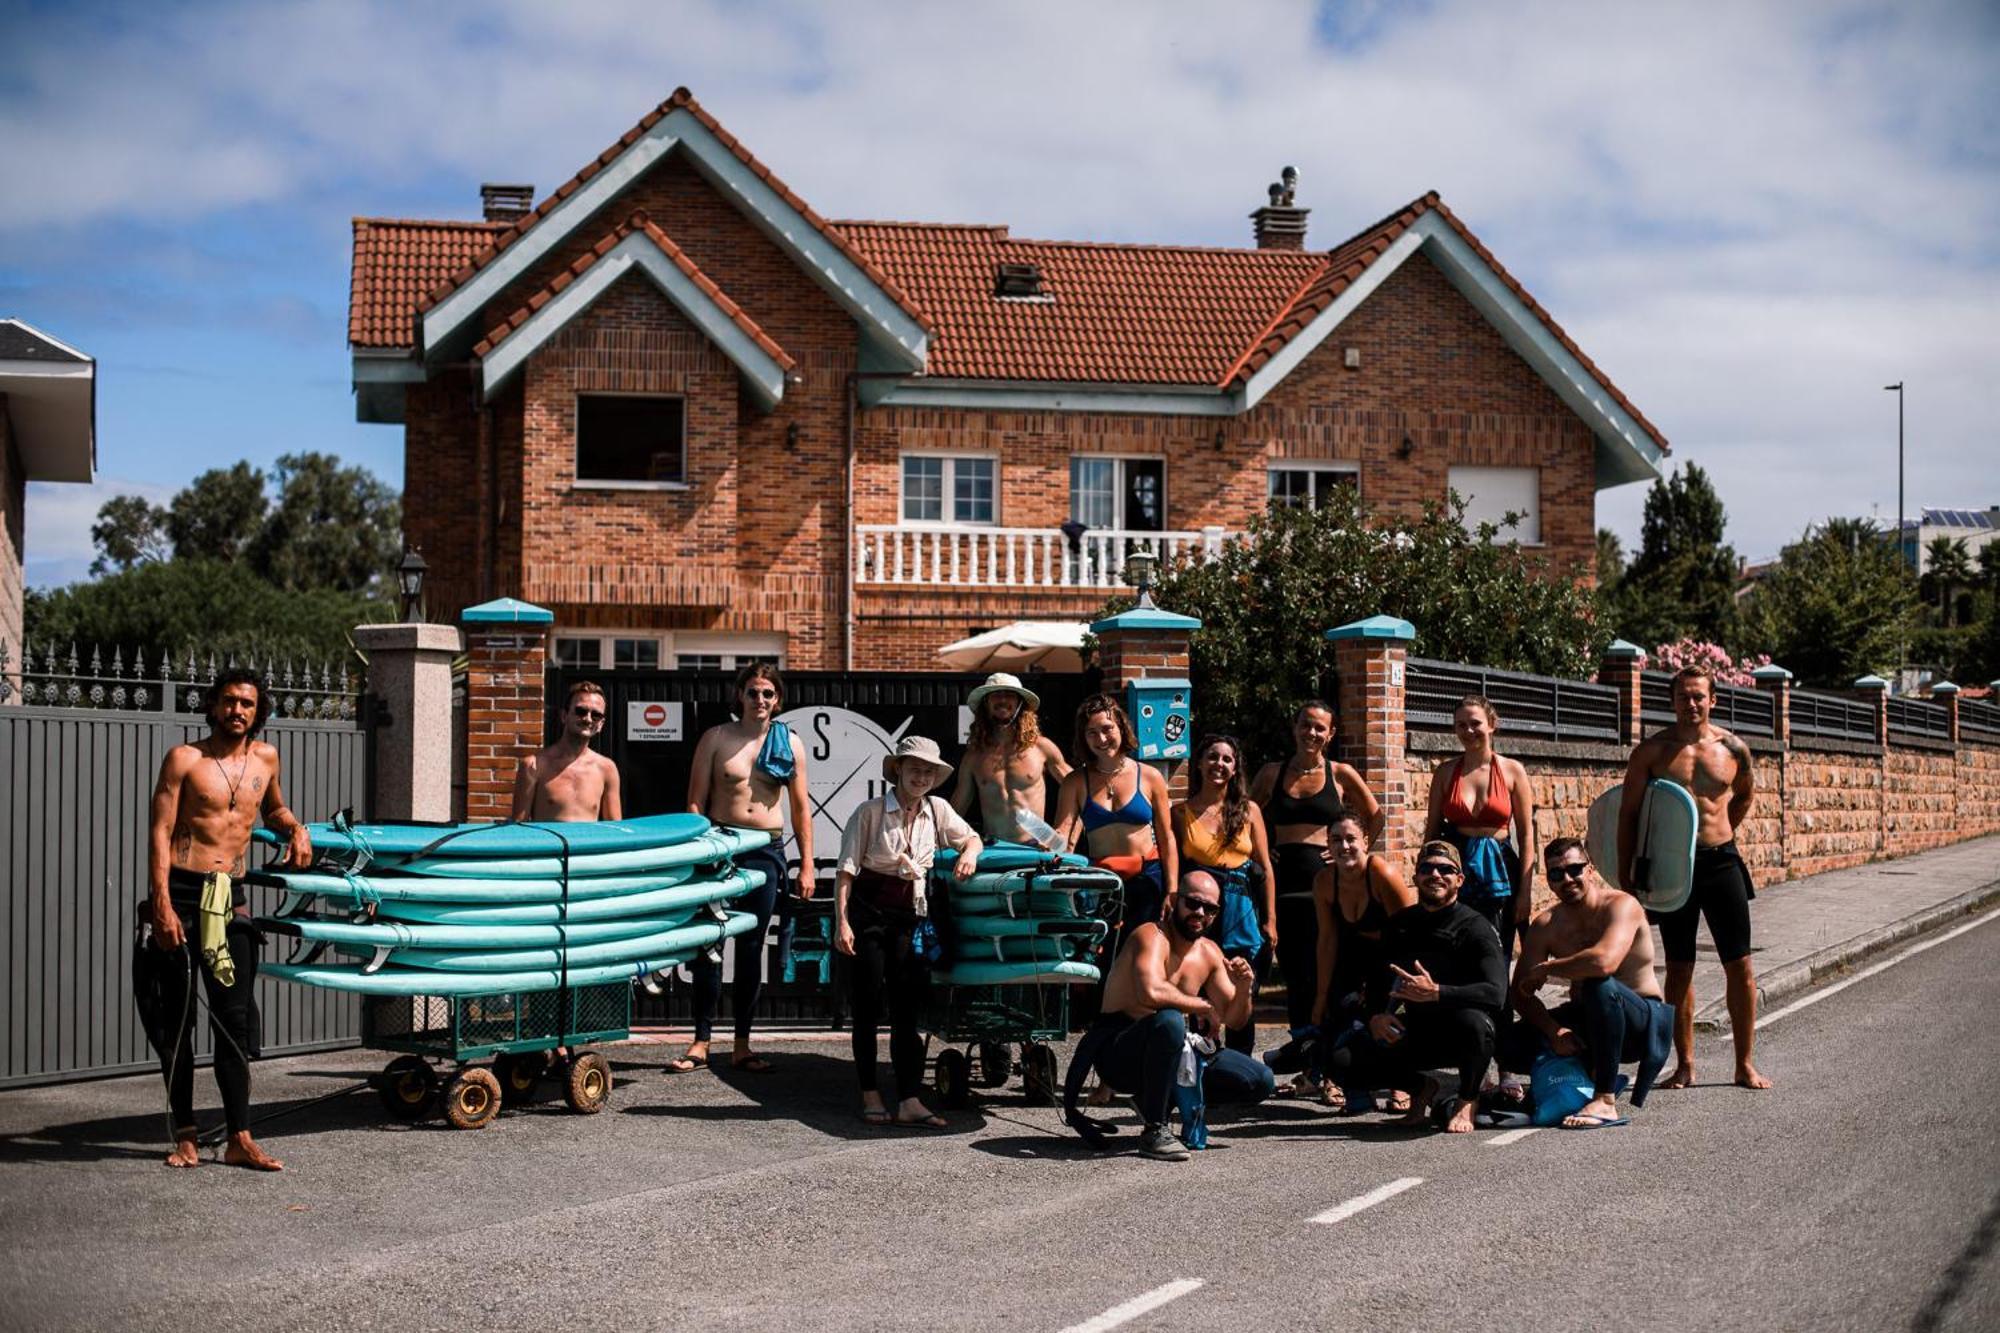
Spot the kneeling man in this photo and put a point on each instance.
(1595, 938)
(1167, 981)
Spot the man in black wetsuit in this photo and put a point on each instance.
(1439, 1005)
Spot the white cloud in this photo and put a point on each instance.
(58, 546)
(1750, 215)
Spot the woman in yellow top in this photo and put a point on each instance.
(1219, 829)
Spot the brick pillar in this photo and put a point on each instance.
(1946, 693)
(1777, 682)
(1875, 690)
(1621, 668)
(1146, 643)
(1368, 659)
(504, 710)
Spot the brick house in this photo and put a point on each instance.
(698, 421)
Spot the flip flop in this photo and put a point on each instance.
(874, 1117)
(1595, 1121)
(753, 1064)
(686, 1064)
(932, 1121)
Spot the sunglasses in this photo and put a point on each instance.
(589, 714)
(1439, 868)
(1574, 871)
(1193, 905)
(760, 694)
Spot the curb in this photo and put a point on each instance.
(1789, 979)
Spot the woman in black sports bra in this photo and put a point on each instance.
(1299, 799)
(1354, 897)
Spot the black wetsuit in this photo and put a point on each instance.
(164, 982)
(1721, 893)
(1461, 952)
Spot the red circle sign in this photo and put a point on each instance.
(656, 715)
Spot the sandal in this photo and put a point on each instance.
(753, 1064)
(875, 1115)
(686, 1064)
(932, 1121)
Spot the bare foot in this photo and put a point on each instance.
(187, 1150)
(243, 1151)
(1594, 1112)
(1399, 1100)
(1461, 1117)
(1748, 1077)
(1099, 1096)
(1417, 1110)
(1682, 1077)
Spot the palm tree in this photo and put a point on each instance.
(1950, 569)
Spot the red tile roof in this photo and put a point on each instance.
(639, 222)
(507, 234)
(395, 262)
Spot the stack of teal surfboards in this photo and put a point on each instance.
(481, 909)
(1024, 917)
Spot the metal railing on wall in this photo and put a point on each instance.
(1919, 720)
(1830, 717)
(52, 678)
(1544, 706)
(1747, 711)
(1979, 722)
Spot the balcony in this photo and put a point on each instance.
(968, 557)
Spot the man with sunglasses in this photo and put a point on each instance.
(1437, 1005)
(570, 783)
(1595, 938)
(1169, 981)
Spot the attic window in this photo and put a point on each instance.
(1019, 282)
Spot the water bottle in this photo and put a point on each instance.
(1034, 829)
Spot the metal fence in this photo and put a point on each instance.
(1978, 722)
(77, 767)
(1745, 710)
(1919, 720)
(1830, 717)
(1545, 706)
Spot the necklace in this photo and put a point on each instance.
(241, 769)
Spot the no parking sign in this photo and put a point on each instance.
(652, 720)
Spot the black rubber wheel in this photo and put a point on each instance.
(996, 1063)
(408, 1088)
(587, 1083)
(954, 1077)
(1039, 1075)
(471, 1098)
(518, 1073)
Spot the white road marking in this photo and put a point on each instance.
(1512, 1136)
(1868, 972)
(1343, 1211)
(1138, 1305)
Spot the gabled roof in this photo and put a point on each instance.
(398, 261)
(25, 342)
(637, 244)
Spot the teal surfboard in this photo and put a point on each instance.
(1035, 903)
(716, 845)
(396, 841)
(1080, 880)
(1006, 856)
(1010, 927)
(1018, 974)
(660, 901)
(656, 943)
(1020, 949)
(403, 935)
(1664, 863)
(392, 888)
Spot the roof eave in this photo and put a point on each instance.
(53, 408)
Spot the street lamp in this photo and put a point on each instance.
(1138, 573)
(1897, 389)
(410, 582)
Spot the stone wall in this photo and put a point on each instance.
(1919, 799)
(1833, 807)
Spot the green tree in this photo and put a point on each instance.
(1949, 572)
(129, 530)
(1840, 604)
(1682, 583)
(218, 515)
(1610, 562)
(1266, 603)
(332, 527)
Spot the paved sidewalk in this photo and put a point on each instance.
(1806, 929)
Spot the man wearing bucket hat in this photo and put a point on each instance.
(886, 852)
(1008, 762)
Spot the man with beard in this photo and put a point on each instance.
(1008, 762)
(1169, 981)
(569, 782)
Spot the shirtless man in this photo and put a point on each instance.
(1597, 940)
(1718, 771)
(208, 797)
(1008, 762)
(569, 783)
(740, 773)
(1169, 980)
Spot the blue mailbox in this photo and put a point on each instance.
(1161, 710)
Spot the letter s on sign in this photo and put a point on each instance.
(822, 746)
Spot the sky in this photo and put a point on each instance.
(1751, 216)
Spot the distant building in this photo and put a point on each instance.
(48, 432)
(1974, 527)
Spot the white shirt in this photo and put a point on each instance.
(874, 841)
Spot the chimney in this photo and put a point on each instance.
(506, 203)
(1281, 224)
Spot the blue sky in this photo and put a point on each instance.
(1751, 216)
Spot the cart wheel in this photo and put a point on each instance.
(996, 1063)
(471, 1099)
(408, 1088)
(954, 1077)
(587, 1086)
(518, 1073)
(1038, 1073)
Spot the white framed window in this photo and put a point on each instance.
(1491, 493)
(679, 650)
(587, 654)
(635, 654)
(951, 488)
(631, 440)
(1308, 484)
(1118, 491)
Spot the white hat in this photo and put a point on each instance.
(913, 747)
(1003, 681)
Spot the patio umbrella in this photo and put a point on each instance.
(1053, 645)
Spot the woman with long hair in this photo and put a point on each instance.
(1299, 798)
(1114, 810)
(1220, 829)
(1354, 896)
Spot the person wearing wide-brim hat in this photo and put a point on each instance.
(886, 852)
(1008, 762)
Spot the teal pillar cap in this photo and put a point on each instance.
(1871, 683)
(1620, 648)
(1375, 627)
(1145, 618)
(1771, 672)
(507, 611)
(1944, 687)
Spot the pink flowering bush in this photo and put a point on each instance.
(1689, 652)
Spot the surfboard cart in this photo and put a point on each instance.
(519, 1031)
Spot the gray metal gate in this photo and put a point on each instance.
(79, 750)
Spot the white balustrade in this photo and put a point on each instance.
(887, 553)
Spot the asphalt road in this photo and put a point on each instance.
(1864, 1192)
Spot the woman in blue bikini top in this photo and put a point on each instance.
(1114, 809)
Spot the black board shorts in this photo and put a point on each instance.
(1722, 894)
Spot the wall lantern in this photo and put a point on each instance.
(410, 583)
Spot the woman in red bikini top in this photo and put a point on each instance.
(1483, 803)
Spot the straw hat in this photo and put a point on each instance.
(914, 747)
(999, 681)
